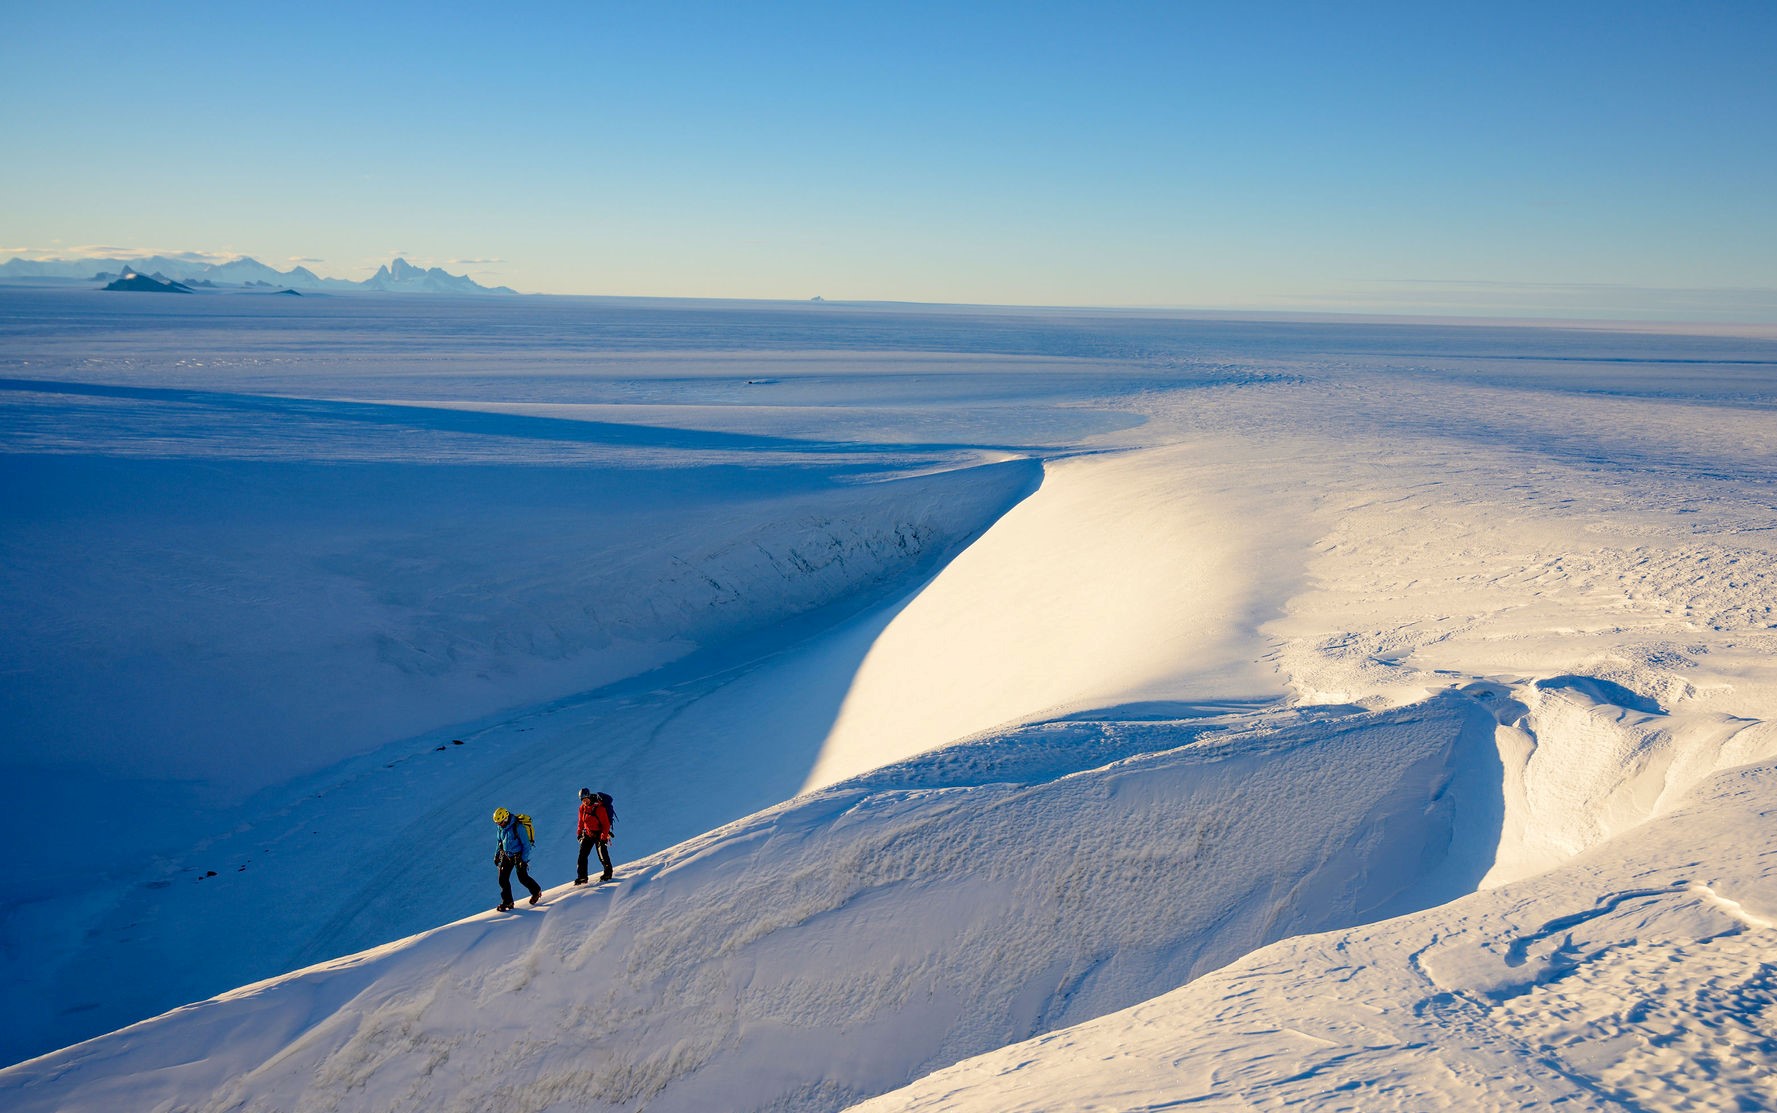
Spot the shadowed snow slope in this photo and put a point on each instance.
(557, 586)
(243, 622)
(842, 944)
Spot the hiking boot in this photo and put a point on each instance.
(579, 881)
(503, 908)
(607, 876)
(535, 897)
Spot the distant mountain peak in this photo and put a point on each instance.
(400, 276)
(132, 281)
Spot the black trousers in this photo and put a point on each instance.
(587, 842)
(524, 878)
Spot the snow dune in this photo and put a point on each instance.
(1637, 976)
(1379, 724)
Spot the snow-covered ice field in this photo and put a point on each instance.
(1006, 709)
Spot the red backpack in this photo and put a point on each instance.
(589, 814)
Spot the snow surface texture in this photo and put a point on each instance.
(1466, 627)
(1637, 976)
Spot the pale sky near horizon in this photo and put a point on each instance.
(1543, 157)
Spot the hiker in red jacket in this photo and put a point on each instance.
(595, 830)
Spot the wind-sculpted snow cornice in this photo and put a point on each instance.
(922, 899)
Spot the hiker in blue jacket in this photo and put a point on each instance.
(513, 850)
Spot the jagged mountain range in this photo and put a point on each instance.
(398, 277)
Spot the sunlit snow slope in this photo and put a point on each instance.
(1128, 577)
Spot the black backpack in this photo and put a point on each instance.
(611, 808)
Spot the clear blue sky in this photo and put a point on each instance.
(1284, 155)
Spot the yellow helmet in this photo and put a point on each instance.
(501, 815)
